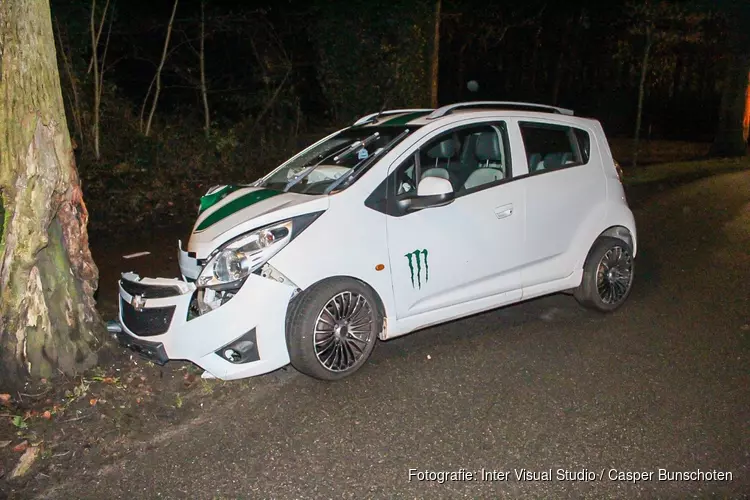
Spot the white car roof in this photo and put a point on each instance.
(460, 111)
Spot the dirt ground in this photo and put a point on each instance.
(111, 410)
(108, 411)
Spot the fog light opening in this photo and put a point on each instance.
(232, 356)
(241, 350)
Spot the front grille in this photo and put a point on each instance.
(148, 321)
(149, 291)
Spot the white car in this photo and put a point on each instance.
(404, 220)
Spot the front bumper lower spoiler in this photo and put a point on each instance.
(156, 322)
(152, 351)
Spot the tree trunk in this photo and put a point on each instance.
(731, 138)
(641, 95)
(746, 117)
(158, 70)
(435, 66)
(95, 63)
(48, 318)
(204, 89)
(558, 75)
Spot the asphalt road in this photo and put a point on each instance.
(663, 383)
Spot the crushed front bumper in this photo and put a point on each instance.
(157, 323)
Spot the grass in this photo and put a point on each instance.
(684, 170)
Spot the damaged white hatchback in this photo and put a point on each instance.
(406, 219)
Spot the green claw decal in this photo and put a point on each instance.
(415, 258)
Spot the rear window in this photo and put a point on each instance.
(552, 147)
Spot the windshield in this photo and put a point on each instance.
(336, 162)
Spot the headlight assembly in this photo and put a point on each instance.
(229, 265)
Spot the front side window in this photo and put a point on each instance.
(552, 147)
(336, 162)
(472, 158)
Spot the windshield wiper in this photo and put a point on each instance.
(360, 167)
(339, 154)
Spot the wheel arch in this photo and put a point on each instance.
(620, 232)
(379, 300)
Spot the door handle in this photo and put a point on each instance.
(504, 211)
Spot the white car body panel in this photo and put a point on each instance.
(266, 211)
(345, 242)
(446, 262)
(261, 305)
(523, 237)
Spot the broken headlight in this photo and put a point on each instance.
(228, 266)
(243, 255)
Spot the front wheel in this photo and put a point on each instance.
(333, 328)
(607, 275)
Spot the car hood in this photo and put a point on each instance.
(229, 211)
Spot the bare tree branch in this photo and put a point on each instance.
(159, 69)
(75, 104)
(204, 93)
(95, 43)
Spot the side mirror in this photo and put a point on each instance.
(434, 186)
(431, 192)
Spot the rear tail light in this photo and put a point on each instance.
(620, 174)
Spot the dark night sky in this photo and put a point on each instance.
(582, 40)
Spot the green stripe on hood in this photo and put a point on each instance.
(236, 205)
(209, 200)
(404, 119)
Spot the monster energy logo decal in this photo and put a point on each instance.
(416, 260)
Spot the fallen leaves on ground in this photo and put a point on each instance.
(21, 446)
(25, 462)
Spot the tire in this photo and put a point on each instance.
(332, 328)
(607, 275)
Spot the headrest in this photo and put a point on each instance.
(443, 150)
(487, 147)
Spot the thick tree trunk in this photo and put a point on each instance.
(48, 319)
(730, 137)
(435, 65)
(746, 117)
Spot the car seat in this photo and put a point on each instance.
(489, 156)
(440, 157)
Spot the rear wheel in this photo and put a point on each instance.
(333, 328)
(607, 275)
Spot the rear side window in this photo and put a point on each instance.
(584, 144)
(552, 147)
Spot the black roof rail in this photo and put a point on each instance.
(509, 105)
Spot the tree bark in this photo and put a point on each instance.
(48, 318)
(641, 95)
(158, 70)
(746, 117)
(731, 138)
(435, 66)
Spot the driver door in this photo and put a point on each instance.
(470, 249)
